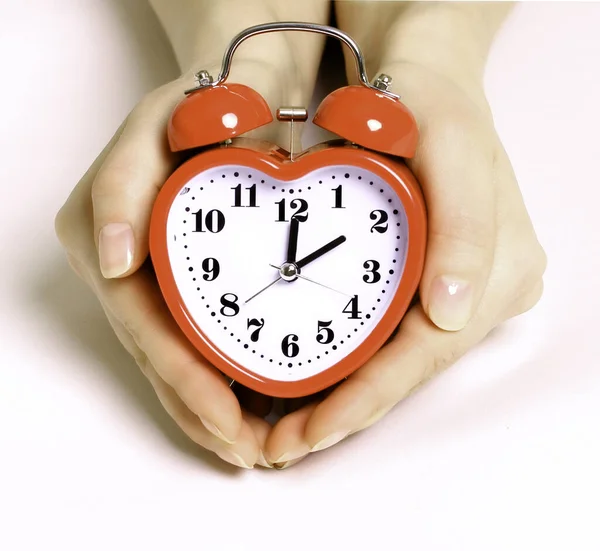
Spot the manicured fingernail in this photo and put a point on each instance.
(213, 429)
(286, 464)
(262, 461)
(450, 303)
(115, 245)
(330, 440)
(234, 459)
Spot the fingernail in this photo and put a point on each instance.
(115, 244)
(450, 303)
(292, 455)
(286, 464)
(262, 461)
(213, 429)
(234, 459)
(330, 440)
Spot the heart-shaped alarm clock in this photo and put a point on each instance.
(288, 272)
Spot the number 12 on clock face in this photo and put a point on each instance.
(287, 278)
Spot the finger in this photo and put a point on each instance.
(453, 164)
(286, 444)
(128, 182)
(261, 431)
(290, 405)
(245, 452)
(419, 351)
(242, 453)
(529, 260)
(525, 301)
(137, 304)
(461, 219)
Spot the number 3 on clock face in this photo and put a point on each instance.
(285, 279)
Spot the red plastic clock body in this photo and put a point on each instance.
(273, 161)
(377, 133)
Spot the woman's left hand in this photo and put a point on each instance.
(484, 263)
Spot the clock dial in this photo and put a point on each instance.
(286, 278)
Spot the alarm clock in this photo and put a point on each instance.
(289, 270)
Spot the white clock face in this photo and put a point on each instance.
(282, 314)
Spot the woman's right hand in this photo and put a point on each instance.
(104, 228)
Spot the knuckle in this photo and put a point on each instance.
(464, 231)
(371, 393)
(442, 360)
(531, 261)
(180, 374)
(541, 260)
(77, 267)
(112, 181)
(115, 187)
(142, 362)
(65, 228)
(529, 264)
(527, 301)
(534, 296)
(133, 329)
(62, 224)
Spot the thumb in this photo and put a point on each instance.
(455, 169)
(453, 164)
(128, 182)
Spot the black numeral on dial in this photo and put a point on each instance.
(289, 347)
(259, 324)
(237, 202)
(372, 275)
(300, 206)
(230, 307)
(338, 198)
(381, 218)
(352, 309)
(214, 221)
(324, 334)
(212, 269)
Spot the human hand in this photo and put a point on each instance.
(484, 264)
(105, 222)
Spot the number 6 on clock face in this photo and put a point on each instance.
(227, 243)
(289, 271)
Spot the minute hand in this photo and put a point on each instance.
(320, 252)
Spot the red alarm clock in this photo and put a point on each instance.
(288, 272)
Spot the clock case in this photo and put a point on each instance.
(377, 132)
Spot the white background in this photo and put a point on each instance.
(500, 452)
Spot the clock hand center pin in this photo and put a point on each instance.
(288, 271)
(298, 275)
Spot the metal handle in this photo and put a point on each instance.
(382, 83)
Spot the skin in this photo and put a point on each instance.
(484, 263)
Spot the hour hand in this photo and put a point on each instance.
(320, 252)
(293, 240)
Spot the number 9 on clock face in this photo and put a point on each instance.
(286, 278)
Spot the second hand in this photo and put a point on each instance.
(315, 282)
